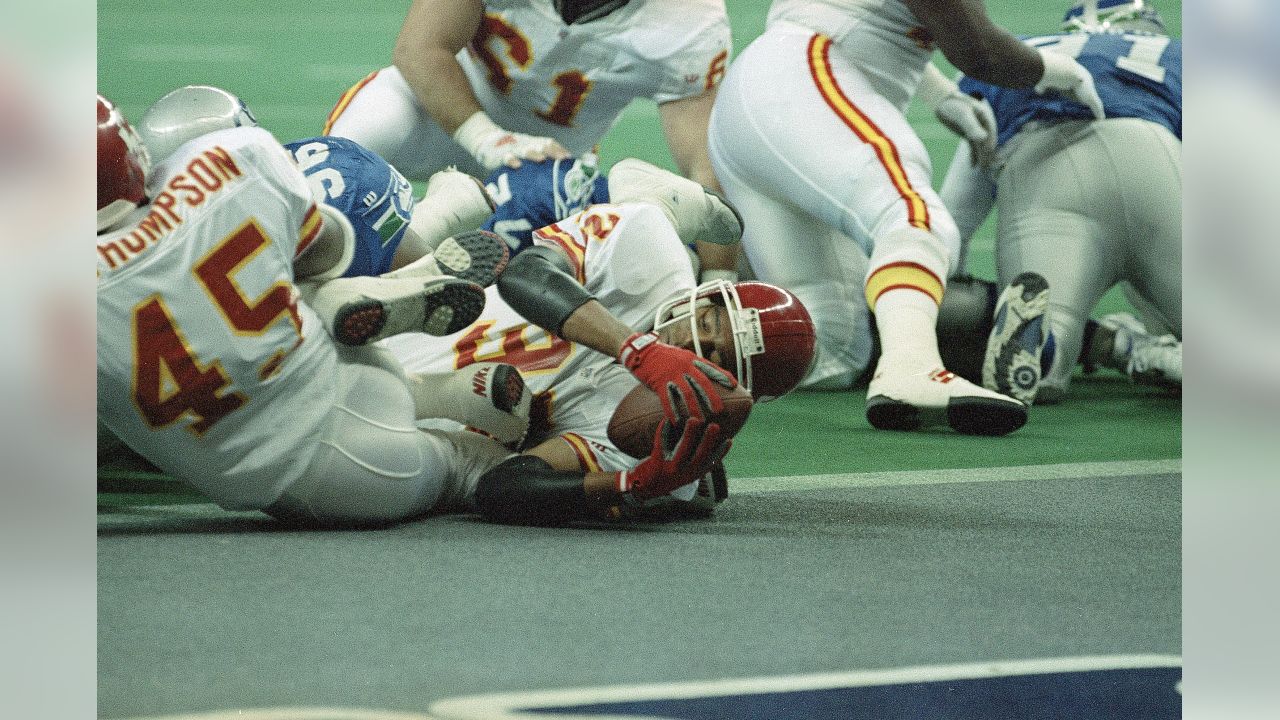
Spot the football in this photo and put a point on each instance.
(636, 418)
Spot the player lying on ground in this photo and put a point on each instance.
(210, 367)
(627, 263)
(1088, 203)
(349, 481)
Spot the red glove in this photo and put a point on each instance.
(680, 456)
(682, 380)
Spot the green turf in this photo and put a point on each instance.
(291, 60)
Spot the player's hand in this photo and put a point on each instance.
(972, 119)
(682, 453)
(1070, 79)
(684, 382)
(493, 146)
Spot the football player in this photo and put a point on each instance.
(616, 279)
(391, 232)
(479, 84)
(810, 142)
(211, 368)
(203, 348)
(1089, 203)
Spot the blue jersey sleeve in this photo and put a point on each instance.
(535, 195)
(374, 196)
(1137, 75)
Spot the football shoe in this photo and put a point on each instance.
(1145, 358)
(697, 212)
(913, 400)
(1012, 363)
(1157, 363)
(476, 256)
(361, 310)
(454, 202)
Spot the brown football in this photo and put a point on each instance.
(636, 418)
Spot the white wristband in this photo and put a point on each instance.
(473, 133)
(935, 87)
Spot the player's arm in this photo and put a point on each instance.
(684, 123)
(546, 484)
(980, 49)
(433, 33)
(539, 285)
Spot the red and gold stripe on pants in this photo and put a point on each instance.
(345, 100)
(586, 457)
(310, 229)
(824, 78)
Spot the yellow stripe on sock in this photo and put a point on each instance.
(903, 276)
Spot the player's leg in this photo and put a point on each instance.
(381, 113)
(787, 247)
(374, 466)
(790, 191)
(697, 213)
(454, 202)
(879, 194)
(1056, 211)
(1151, 159)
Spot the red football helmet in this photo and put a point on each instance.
(123, 164)
(773, 334)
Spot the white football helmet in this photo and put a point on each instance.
(773, 335)
(1113, 15)
(187, 113)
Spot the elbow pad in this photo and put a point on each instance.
(526, 490)
(539, 285)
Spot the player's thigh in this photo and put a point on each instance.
(809, 128)
(373, 465)
(788, 247)
(384, 116)
(1058, 216)
(1152, 189)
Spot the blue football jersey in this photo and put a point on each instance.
(535, 195)
(1137, 75)
(374, 196)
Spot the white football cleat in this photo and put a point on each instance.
(361, 310)
(697, 213)
(1012, 363)
(477, 256)
(454, 202)
(910, 401)
(1145, 358)
(1158, 363)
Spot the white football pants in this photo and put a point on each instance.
(1087, 205)
(821, 167)
(373, 464)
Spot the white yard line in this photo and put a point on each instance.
(960, 475)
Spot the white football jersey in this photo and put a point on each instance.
(207, 364)
(534, 74)
(882, 37)
(628, 257)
